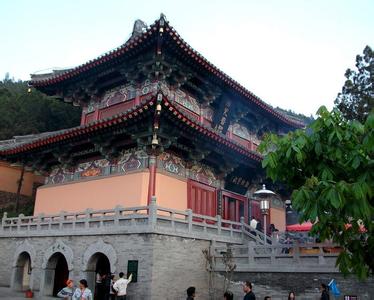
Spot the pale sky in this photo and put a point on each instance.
(292, 54)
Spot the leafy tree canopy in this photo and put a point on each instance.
(356, 99)
(23, 112)
(330, 168)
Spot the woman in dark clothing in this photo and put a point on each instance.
(325, 293)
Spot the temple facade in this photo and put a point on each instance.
(158, 179)
(159, 120)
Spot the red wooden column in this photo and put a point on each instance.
(137, 95)
(83, 118)
(226, 207)
(96, 114)
(152, 178)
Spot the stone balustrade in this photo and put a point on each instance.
(141, 219)
(278, 257)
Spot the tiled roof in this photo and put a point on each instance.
(18, 141)
(134, 42)
(33, 142)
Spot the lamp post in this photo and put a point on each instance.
(264, 195)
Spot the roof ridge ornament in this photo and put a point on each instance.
(163, 19)
(139, 28)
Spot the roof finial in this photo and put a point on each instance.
(162, 16)
(139, 28)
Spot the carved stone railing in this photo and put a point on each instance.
(141, 219)
(253, 234)
(252, 257)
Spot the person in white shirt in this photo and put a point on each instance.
(120, 286)
(83, 293)
(253, 223)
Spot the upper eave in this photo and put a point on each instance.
(136, 112)
(163, 26)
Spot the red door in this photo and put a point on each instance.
(255, 209)
(201, 198)
(234, 206)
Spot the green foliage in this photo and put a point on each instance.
(330, 168)
(26, 113)
(357, 97)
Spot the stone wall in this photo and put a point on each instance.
(305, 285)
(167, 264)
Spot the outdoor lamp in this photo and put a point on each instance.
(265, 196)
(264, 206)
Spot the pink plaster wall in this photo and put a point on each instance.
(101, 193)
(171, 192)
(9, 177)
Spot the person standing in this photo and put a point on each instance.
(253, 223)
(191, 293)
(107, 286)
(324, 292)
(68, 291)
(120, 286)
(83, 293)
(291, 296)
(259, 226)
(99, 285)
(247, 289)
(228, 295)
(112, 290)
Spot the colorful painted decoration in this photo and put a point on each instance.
(91, 172)
(199, 172)
(244, 133)
(172, 163)
(187, 101)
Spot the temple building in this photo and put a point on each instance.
(160, 120)
(157, 181)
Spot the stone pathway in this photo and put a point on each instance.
(7, 293)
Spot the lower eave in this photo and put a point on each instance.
(135, 112)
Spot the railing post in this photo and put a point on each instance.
(219, 224)
(189, 219)
(117, 213)
(152, 213)
(88, 218)
(19, 221)
(242, 226)
(40, 219)
(272, 254)
(61, 219)
(3, 221)
(296, 252)
(251, 253)
(321, 257)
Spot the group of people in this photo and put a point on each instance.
(249, 294)
(256, 224)
(106, 288)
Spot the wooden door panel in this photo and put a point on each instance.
(234, 206)
(201, 198)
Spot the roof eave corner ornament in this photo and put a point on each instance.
(163, 19)
(139, 28)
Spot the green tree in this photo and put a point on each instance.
(23, 112)
(356, 99)
(330, 168)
